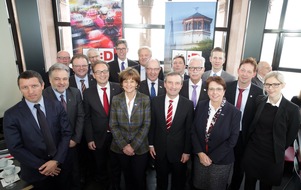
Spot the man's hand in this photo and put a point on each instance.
(92, 145)
(204, 159)
(185, 158)
(50, 168)
(128, 150)
(72, 144)
(152, 152)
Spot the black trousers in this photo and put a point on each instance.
(178, 174)
(238, 172)
(134, 170)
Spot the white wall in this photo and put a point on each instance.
(10, 93)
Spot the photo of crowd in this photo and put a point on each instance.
(96, 24)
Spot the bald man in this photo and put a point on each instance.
(263, 68)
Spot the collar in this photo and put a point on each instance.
(277, 104)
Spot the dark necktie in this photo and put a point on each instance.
(193, 96)
(239, 98)
(122, 66)
(153, 91)
(169, 115)
(83, 85)
(214, 74)
(63, 102)
(51, 149)
(106, 105)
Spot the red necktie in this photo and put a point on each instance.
(239, 98)
(106, 105)
(169, 115)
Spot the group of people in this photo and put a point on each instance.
(198, 127)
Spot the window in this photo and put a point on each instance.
(143, 25)
(282, 33)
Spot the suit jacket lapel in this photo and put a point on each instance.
(123, 104)
(27, 114)
(137, 103)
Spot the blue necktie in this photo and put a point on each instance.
(214, 74)
(153, 91)
(122, 66)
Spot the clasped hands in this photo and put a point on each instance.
(50, 168)
(128, 150)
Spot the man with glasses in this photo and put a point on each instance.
(242, 94)
(81, 79)
(61, 57)
(152, 86)
(194, 88)
(217, 59)
(145, 54)
(97, 101)
(120, 62)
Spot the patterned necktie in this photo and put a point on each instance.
(193, 96)
(51, 149)
(153, 91)
(122, 66)
(169, 115)
(83, 85)
(239, 98)
(63, 102)
(106, 105)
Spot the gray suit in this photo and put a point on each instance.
(226, 76)
(257, 82)
(75, 110)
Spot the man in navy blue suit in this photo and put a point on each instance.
(25, 140)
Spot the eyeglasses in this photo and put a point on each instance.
(80, 66)
(63, 58)
(274, 85)
(195, 68)
(215, 89)
(121, 49)
(153, 69)
(101, 72)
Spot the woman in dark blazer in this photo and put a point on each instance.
(273, 129)
(129, 123)
(215, 131)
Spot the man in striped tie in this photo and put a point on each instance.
(169, 136)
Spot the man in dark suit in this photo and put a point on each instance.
(81, 76)
(246, 71)
(97, 129)
(71, 99)
(262, 69)
(26, 132)
(152, 72)
(145, 54)
(217, 59)
(194, 88)
(179, 66)
(169, 136)
(121, 61)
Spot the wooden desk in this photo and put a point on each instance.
(19, 184)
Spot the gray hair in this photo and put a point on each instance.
(197, 58)
(58, 66)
